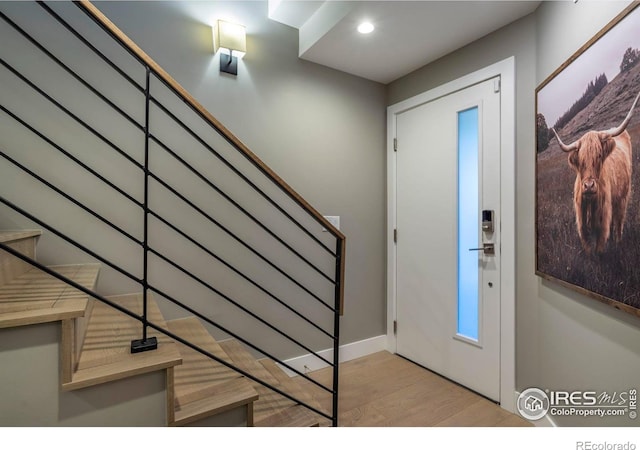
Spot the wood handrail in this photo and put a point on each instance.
(237, 143)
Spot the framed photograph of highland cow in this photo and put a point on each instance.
(588, 168)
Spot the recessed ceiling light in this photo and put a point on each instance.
(365, 27)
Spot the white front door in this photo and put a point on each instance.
(447, 182)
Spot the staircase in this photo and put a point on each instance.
(205, 257)
(94, 350)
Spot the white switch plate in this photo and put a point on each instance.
(333, 220)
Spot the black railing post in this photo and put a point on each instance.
(336, 328)
(146, 343)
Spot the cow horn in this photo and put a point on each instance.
(613, 132)
(563, 146)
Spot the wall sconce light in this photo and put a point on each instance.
(231, 40)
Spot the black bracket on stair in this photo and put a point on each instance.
(144, 345)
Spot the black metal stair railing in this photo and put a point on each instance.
(145, 343)
(166, 332)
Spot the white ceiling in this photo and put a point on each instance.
(408, 34)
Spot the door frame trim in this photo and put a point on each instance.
(506, 70)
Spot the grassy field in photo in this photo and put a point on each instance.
(615, 273)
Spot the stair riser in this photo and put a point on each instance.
(32, 398)
(12, 267)
(206, 392)
(80, 331)
(272, 409)
(236, 417)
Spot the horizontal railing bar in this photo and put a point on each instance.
(89, 11)
(236, 304)
(178, 90)
(238, 239)
(69, 240)
(66, 280)
(238, 206)
(236, 271)
(71, 157)
(141, 89)
(234, 335)
(259, 165)
(244, 373)
(70, 198)
(93, 48)
(158, 328)
(128, 45)
(240, 174)
(71, 114)
(69, 70)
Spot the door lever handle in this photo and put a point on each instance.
(488, 248)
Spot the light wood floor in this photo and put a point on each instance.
(385, 390)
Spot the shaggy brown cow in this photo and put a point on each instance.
(601, 193)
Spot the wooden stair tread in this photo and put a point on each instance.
(106, 354)
(66, 309)
(215, 399)
(295, 389)
(294, 416)
(285, 380)
(202, 386)
(22, 242)
(271, 409)
(15, 235)
(197, 370)
(37, 297)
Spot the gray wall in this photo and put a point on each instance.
(564, 341)
(582, 343)
(321, 130)
(324, 133)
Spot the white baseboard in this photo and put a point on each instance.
(309, 363)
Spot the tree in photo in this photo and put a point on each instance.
(542, 133)
(593, 89)
(629, 59)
